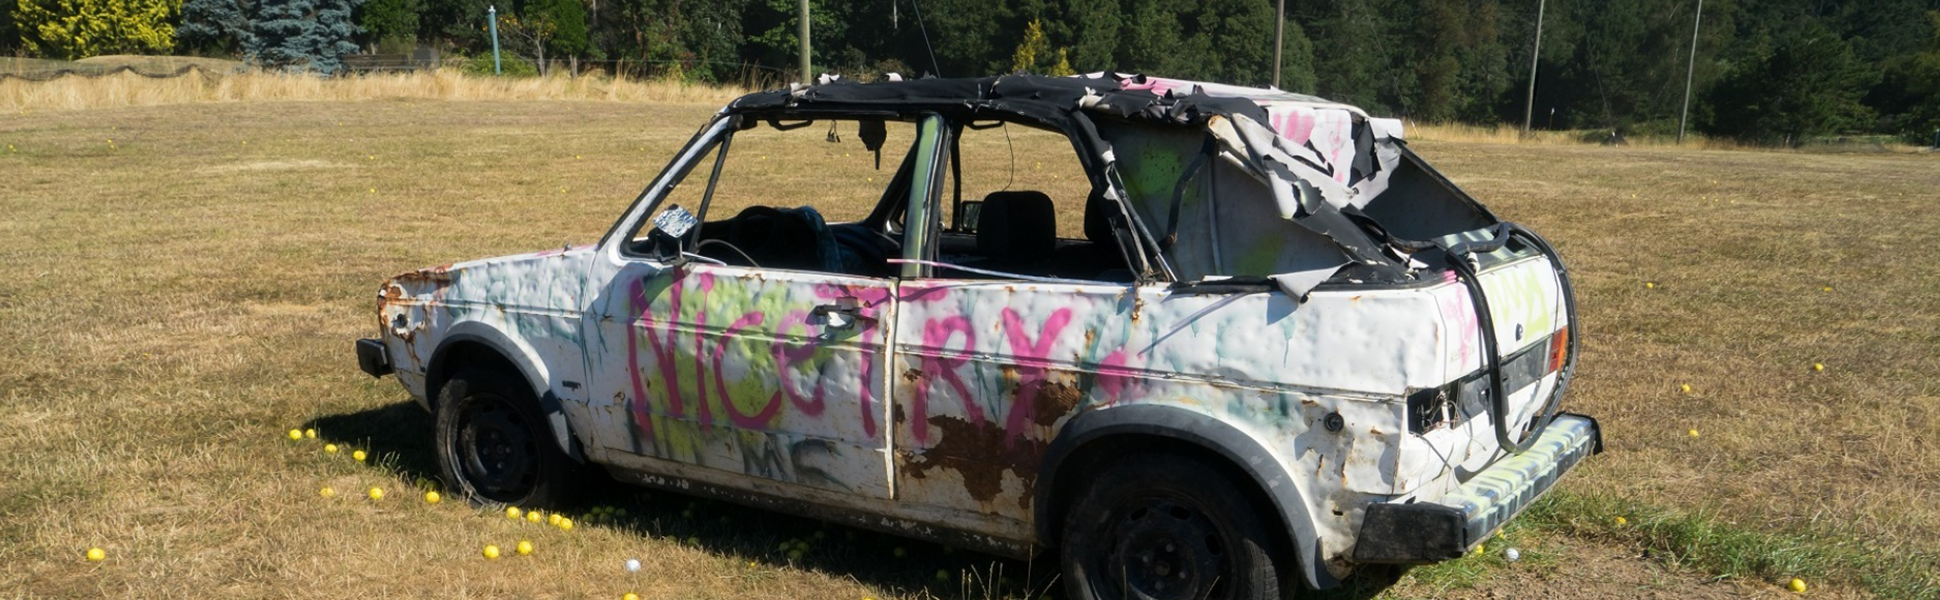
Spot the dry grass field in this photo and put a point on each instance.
(180, 284)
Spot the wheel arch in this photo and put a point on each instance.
(1097, 435)
(475, 343)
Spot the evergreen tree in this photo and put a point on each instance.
(73, 29)
(302, 35)
(390, 20)
(216, 25)
(1805, 82)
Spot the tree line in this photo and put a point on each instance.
(1767, 71)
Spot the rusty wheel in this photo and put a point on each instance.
(1167, 527)
(494, 446)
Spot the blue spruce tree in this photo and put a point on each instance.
(216, 25)
(303, 35)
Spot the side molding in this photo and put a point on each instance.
(1203, 431)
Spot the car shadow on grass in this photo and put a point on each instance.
(399, 439)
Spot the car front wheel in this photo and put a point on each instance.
(1166, 527)
(494, 446)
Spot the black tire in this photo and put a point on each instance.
(1165, 527)
(494, 446)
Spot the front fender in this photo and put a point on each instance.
(517, 353)
(1243, 451)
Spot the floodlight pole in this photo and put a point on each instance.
(493, 12)
(1279, 37)
(807, 78)
(1685, 116)
(1529, 105)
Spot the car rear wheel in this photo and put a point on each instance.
(1166, 527)
(494, 446)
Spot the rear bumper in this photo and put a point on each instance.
(373, 357)
(1444, 529)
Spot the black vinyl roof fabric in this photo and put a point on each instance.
(1050, 100)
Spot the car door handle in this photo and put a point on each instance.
(841, 316)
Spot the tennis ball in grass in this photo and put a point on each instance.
(1686, 388)
(432, 497)
(330, 448)
(1818, 366)
(310, 433)
(534, 517)
(565, 524)
(1694, 433)
(552, 519)
(359, 455)
(629, 596)
(1797, 586)
(98, 555)
(296, 434)
(376, 493)
(1622, 521)
(1650, 285)
(326, 492)
(491, 552)
(632, 565)
(524, 548)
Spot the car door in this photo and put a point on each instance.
(746, 372)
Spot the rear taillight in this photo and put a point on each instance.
(1559, 347)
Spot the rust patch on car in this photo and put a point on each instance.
(1054, 401)
(980, 454)
(438, 276)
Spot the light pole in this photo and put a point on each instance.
(1689, 71)
(807, 78)
(492, 11)
(1529, 105)
(1279, 37)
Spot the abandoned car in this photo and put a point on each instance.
(1204, 341)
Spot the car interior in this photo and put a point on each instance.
(1007, 231)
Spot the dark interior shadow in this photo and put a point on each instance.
(399, 439)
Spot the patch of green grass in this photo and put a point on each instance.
(1706, 541)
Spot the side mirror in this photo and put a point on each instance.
(667, 242)
(965, 220)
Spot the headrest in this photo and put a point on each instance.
(1017, 227)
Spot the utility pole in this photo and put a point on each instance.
(807, 77)
(1279, 37)
(1685, 116)
(492, 11)
(1535, 55)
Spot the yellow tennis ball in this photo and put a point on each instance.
(296, 434)
(1622, 521)
(376, 493)
(512, 512)
(1650, 285)
(98, 555)
(1694, 433)
(565, 524)
(310, 433)
(629, 596)
(534, 517)
(552, 519)
(432, 497)
(524, 548)
(326, 492)
(1818, 366)
(1797, 586)
(491, 552)
(359, 455)
(331, 448)
(1686, 388)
